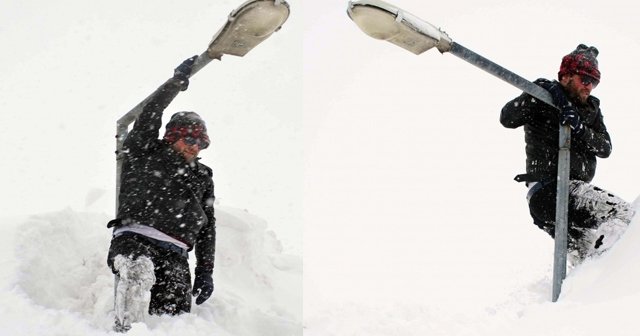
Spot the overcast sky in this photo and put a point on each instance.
(71, 69)
(408, 170)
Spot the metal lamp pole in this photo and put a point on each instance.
(383, 21)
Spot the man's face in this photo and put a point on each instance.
(188, 150)
(578, 86)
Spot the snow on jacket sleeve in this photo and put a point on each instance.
(206, 242)
(596, 139)
(518, 111)
(146, 129)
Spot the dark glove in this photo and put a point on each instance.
(183, 71)
(570, 117)
(555, 90)
(203, 285)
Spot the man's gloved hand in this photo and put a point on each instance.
(555, 89)
(569, 114)
(183, 71)
(570, 117)
(203, 285)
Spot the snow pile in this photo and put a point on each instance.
(599, 297)
(55, 281)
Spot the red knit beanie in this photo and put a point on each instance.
(186, 124)
(581, 61)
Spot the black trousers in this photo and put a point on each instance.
(589, 206)
(171, 294)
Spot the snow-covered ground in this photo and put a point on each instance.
(598, 298)
(54, 280)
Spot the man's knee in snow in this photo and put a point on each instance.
(139, 270)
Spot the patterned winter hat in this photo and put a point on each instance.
(186, 125)
(581, 61)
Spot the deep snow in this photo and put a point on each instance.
(55, 281)
(599, 297)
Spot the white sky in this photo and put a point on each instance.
(408, 170)
(71, 69)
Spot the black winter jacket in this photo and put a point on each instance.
(541, 131)
(160, 189)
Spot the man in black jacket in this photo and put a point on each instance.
(165, 210)
(597, 218)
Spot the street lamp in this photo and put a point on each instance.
(383, 21)
(246, 27)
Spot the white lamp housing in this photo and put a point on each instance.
(247, 26)
(383, 21)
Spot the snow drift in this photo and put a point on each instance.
(55, 280)
(599, 297)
